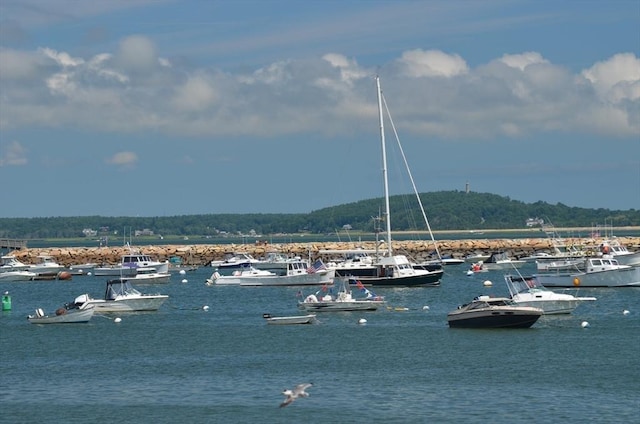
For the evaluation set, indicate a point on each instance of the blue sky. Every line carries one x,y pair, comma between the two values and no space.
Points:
162,107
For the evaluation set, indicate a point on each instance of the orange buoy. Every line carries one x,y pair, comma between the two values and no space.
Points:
64,275
576,281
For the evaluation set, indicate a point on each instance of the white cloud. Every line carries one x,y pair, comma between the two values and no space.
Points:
13,155
432,93
521,61
137,54
100,65
432,63
16,64
349,68
123,159
61,58
617,78
197,93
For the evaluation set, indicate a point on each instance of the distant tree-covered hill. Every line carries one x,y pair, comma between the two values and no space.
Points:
445,210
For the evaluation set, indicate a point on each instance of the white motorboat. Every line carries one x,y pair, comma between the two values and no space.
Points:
120,296
529,292
299,273
451,261
148,276
82,269
500,260
595,272
11,263
493,312
290,320
232,262
17,275
325,301
63,316
46,265
476,257
618,251
350,262
130,264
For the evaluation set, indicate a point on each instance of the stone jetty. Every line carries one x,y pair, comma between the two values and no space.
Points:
202,254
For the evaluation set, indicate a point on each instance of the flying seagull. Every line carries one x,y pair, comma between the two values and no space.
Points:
298,391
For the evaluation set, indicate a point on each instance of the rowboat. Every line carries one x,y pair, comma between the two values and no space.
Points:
288,320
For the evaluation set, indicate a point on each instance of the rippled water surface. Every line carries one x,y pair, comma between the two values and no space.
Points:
225,365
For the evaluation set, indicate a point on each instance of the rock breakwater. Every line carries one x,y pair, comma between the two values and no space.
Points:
202,254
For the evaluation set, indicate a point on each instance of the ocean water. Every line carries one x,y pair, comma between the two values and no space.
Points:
183,364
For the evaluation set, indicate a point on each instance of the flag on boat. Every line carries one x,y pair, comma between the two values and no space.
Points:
317,266
362,288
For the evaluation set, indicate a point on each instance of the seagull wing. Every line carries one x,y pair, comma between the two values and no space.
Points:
300,388
287,401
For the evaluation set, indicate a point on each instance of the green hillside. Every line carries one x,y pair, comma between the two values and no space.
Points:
445,210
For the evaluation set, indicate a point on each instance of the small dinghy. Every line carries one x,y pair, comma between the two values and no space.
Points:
299,319
62,316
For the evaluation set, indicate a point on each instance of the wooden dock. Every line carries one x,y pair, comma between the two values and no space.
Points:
13,244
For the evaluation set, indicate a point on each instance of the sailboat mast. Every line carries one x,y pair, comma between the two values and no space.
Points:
384,169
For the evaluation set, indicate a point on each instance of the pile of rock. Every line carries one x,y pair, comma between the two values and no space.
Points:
202,254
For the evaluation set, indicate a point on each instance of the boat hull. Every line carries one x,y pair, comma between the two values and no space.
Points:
76,316
291,320
551,307
114,271
316,279
360,305
154,278
624,277
428,278
141,304
17,276
494,319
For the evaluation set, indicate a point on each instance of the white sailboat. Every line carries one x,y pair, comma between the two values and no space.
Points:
391,269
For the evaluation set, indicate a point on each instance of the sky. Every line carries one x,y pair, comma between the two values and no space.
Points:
182,107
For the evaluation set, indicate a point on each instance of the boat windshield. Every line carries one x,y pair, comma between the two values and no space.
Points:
117,288
522,284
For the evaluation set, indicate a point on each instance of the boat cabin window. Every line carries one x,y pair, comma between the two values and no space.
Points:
478,305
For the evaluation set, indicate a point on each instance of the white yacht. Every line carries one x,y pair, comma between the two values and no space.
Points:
529,292
129,265
594,272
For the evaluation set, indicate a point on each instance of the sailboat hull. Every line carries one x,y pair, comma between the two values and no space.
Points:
431,278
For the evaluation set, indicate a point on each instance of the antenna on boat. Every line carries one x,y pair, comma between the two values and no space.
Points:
377,231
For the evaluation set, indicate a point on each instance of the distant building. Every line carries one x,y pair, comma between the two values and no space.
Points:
534,222
88,232
145,232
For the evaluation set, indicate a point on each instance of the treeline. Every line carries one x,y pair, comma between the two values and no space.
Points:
445,210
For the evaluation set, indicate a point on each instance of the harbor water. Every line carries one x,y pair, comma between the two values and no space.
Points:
223,364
